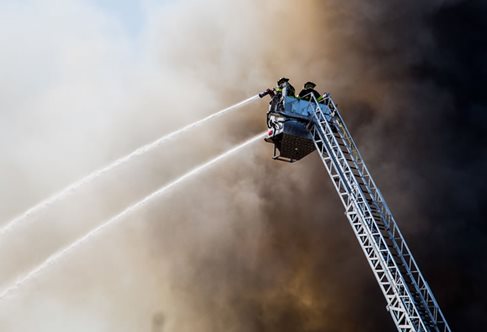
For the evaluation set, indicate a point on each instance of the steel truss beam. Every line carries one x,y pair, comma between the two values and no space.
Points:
410,300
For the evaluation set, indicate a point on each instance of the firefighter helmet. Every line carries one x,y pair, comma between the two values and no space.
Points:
309,85
282,80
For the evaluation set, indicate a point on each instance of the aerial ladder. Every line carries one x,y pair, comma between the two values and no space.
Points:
297,127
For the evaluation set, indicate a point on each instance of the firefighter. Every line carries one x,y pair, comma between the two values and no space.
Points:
309,91
285,88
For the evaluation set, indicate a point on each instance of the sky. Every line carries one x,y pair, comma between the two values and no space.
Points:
252,244
130,13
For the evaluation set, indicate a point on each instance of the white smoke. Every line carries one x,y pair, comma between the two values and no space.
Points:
77,91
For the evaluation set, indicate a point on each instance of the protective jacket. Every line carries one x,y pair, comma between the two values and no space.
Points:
286,89
306,94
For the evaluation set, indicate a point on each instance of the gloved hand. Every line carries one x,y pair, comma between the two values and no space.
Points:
266,92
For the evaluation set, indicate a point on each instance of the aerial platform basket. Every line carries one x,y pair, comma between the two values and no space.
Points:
288,122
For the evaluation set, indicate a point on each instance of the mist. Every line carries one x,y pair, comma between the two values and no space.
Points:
252,244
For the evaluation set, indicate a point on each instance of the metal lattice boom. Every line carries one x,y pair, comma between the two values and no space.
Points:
409,299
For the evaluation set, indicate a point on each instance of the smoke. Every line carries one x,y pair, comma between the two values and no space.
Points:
255,244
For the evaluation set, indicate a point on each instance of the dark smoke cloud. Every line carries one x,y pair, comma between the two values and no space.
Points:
409,78
433,70
256,245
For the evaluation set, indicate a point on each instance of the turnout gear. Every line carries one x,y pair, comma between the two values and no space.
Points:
285,88
309,91
282,90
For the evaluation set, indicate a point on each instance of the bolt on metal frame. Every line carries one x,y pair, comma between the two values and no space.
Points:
409,298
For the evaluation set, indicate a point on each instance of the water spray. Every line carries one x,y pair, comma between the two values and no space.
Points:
97,173
132,208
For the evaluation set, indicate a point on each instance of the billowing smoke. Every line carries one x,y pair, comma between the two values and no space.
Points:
252,245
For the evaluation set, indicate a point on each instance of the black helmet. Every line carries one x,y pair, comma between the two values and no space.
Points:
282,80
309,85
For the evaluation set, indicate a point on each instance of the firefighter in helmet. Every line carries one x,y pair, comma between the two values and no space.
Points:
309,91
285,88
